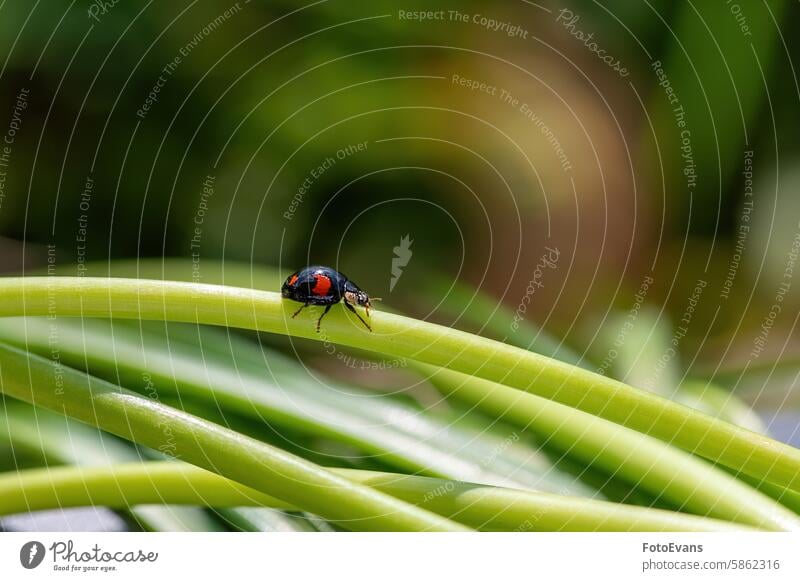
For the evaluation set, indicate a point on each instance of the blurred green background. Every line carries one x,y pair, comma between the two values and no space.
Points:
649,149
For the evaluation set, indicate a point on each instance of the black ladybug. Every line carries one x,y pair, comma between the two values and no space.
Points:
321,285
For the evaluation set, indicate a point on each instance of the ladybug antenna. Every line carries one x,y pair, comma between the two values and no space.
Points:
367,306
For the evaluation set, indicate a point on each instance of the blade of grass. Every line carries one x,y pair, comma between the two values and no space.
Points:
788,498
690,483
265,520
483,507
514,510
268,469
267,386
504,457
719,441
487,452
60,440
647,359
712,399
479,310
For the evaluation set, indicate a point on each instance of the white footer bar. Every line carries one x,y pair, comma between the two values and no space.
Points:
397,556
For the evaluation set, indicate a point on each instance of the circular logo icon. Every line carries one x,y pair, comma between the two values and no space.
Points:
31,554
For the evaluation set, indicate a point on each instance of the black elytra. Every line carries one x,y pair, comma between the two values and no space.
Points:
324,286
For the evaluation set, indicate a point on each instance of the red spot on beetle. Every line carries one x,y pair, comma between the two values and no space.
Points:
322,286
293,279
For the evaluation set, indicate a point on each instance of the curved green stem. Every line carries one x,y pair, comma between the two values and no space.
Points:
279,394
208,445
639,355
484,507
518,510
719,441
56,439
685,480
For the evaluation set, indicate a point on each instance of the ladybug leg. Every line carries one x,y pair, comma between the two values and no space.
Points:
325,312
297,312
350,307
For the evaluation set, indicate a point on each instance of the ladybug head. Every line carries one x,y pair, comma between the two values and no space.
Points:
357,296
